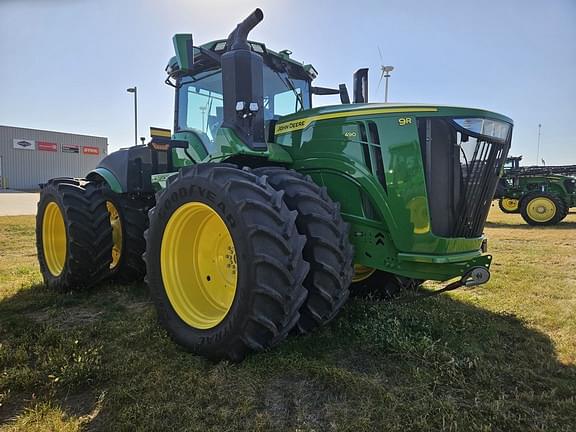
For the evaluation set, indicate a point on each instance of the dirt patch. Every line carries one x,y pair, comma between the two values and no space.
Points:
10,408
139,306
76,316
296,402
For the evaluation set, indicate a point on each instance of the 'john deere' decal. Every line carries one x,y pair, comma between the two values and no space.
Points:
294,125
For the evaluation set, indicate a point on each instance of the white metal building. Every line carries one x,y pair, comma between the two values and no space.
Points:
29,157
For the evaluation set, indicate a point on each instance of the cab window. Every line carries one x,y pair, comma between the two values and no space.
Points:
283,94
201,103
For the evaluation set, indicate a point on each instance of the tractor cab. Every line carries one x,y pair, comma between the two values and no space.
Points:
199,107
237,85
512,162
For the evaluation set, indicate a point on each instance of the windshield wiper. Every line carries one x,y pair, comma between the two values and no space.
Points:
288,82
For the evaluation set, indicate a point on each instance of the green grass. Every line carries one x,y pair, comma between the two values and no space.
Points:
501,357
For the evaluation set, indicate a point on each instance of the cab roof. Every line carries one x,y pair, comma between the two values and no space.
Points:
206,57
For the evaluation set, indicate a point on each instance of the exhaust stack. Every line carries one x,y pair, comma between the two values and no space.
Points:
360,89
238,38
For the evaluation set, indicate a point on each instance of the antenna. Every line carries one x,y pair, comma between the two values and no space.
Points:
385,74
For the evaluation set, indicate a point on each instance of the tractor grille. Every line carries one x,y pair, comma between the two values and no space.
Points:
479,179
462,172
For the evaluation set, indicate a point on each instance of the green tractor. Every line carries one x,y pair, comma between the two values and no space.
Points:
260,214
543,195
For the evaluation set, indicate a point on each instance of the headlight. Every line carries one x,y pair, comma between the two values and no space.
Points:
487,127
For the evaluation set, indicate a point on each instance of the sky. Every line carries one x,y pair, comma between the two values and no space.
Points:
65,64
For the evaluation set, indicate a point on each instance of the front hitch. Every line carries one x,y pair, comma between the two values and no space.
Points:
475,276
472,278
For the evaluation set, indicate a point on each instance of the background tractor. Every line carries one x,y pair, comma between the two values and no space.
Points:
543,195
258,214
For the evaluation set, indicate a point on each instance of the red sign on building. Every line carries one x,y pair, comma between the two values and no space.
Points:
90,150
47,146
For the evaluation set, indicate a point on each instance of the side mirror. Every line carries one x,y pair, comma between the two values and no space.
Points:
323,91
184,48
341,90
344,96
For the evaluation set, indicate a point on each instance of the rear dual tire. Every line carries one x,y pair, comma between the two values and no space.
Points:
73,234
86,233
128,220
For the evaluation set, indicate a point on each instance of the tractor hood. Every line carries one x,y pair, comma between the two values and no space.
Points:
302,119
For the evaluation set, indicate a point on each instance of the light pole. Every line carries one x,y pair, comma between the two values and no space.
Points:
135,91
538,148
386,74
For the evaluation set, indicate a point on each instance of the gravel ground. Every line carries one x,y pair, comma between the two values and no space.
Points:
18,203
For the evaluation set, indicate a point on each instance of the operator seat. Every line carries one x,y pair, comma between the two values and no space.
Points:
215,122
204,139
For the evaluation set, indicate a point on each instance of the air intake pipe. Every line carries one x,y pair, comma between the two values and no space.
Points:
242,85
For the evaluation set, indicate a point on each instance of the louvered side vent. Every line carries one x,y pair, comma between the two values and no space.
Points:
372,151
365,146
377,154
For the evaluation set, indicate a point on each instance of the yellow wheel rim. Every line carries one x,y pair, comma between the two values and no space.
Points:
541,209
510,204
198,264
54,239
116,225
362,272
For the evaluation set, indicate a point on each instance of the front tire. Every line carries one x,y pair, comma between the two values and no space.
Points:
327,249
371,283
542,209
73,235
224,262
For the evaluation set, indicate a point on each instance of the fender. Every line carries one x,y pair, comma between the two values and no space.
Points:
130,169
107,176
